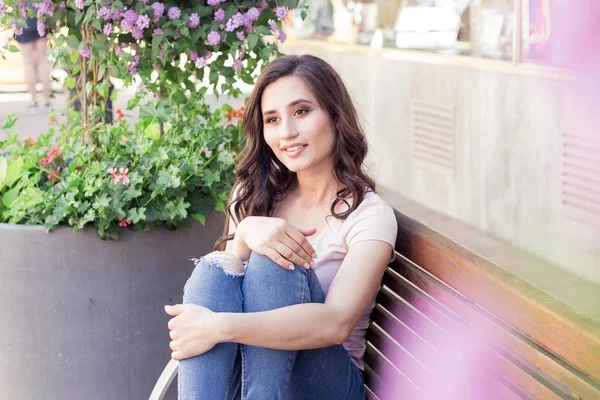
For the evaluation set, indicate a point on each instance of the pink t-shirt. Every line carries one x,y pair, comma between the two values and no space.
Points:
373,219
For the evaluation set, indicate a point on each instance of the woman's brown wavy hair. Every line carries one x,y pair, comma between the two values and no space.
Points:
262,180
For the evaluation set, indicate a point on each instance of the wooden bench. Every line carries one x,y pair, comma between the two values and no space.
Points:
446,314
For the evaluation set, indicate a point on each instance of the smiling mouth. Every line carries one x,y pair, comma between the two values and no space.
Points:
294,149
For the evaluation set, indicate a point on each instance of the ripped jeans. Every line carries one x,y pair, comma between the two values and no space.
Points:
234,371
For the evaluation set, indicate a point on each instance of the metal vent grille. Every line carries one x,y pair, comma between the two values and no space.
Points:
581,176
433,131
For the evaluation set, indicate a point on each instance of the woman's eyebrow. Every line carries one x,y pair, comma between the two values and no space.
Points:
293,103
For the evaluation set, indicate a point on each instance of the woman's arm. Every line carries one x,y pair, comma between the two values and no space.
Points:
315,325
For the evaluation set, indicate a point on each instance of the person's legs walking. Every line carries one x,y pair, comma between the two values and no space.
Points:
213,285
43,68
29,70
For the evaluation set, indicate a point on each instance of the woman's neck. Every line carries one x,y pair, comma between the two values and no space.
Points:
313,189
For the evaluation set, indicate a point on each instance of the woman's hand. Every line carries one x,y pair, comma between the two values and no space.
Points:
193,331
279,240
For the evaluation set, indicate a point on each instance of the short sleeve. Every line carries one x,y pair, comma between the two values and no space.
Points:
373,219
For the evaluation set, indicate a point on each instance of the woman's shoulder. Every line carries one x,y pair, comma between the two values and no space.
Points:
372,201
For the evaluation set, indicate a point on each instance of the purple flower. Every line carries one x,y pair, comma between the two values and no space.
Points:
201,62
237,65
213,38
281,12
132,69
161,54
45,8
174,13
108,28
194,21
79,4
104,13
126,26
143,22
253,14
2,8
213,3
17,29
118,50
85,51
240,35
62,4
157,31
220,15
116,15
131,17
193,56
273,26
234,22
158,9
137,33
281,36
41,28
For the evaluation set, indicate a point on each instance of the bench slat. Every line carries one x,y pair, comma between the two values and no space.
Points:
538,357
566,333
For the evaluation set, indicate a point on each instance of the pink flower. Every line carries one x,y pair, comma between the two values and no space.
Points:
123,172
213,38
281,36
240,35
115,175
85,51
123,223
29,141
79,4
54,175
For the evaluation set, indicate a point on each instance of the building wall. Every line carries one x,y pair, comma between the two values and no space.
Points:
511,151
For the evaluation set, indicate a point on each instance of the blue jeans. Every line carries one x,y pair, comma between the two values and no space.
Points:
233,371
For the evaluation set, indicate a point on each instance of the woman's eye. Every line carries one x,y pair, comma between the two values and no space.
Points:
301,111
271,119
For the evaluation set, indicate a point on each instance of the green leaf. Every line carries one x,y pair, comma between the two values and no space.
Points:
13,172
252,41
303,14
220,206
73,41
70,82
184,31
227,71
13,49
33,197
10,121
200,218
156,40
10,196
3,171
262,31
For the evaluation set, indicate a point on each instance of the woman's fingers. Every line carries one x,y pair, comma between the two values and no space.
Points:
278,258
302,241
286,252
307,260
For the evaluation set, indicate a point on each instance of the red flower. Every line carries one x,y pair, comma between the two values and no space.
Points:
120,114
123,223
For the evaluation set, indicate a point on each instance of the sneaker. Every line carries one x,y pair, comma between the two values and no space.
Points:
32,108
47,108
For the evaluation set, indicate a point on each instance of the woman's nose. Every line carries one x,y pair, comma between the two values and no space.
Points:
288,129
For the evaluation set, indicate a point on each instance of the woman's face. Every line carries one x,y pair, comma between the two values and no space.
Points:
296,128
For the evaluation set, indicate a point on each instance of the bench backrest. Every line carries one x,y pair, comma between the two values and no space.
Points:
447,319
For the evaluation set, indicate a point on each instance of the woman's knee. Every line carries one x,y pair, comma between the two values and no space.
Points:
215,283
267,285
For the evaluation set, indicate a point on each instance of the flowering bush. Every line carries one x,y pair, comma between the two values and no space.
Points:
167,48
127,179
177,160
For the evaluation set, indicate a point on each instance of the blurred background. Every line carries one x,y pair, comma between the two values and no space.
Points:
481,116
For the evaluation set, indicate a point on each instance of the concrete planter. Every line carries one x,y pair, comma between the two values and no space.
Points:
82,318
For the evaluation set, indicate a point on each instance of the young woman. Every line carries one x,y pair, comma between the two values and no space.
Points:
282,312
